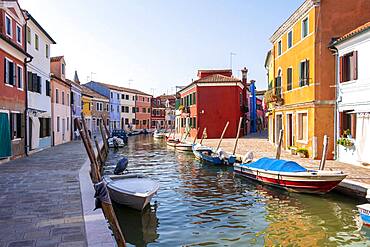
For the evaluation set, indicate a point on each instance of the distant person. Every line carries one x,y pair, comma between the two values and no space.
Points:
77,135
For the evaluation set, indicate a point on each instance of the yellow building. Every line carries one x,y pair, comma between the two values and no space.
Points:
302,97
87,105
269,65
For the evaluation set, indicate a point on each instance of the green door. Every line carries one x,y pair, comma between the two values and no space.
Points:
5,142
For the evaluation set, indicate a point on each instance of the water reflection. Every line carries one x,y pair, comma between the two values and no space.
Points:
200,204
138,228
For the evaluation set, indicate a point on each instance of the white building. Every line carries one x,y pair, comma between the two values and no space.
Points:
353,101
127,103
38,124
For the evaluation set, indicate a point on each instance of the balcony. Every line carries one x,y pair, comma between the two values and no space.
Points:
273,96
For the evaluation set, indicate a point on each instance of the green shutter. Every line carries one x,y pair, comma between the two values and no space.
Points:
5,144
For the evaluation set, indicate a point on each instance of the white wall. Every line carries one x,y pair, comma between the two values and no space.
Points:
130,103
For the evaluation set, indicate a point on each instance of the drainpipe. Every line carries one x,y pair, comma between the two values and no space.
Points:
26,89
334,50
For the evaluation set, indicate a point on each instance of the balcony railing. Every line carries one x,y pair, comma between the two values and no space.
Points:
274,96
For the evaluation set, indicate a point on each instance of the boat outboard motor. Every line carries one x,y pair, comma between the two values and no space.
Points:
121,166
248,157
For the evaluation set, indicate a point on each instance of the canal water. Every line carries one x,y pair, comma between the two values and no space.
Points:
204,205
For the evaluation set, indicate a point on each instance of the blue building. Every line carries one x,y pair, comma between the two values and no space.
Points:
113,93
75,102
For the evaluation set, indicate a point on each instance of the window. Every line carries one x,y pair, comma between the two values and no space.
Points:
126,121
34,82
280,48
127,109
133,110
133,121
194,122
56,96
348,123
37,42
47,84
302,126
20,76
117,95
63,68
148,110
44,127
18,34
107,109
127,96
67,123
241,99
289,78
118,108
122,96
16,125
194,98
62,98
8,26
67,99
58,124
133,98
290,39
144,110
111,95
278,88
47,51
9,72
304,73
122,109
305,27
29,35
348,67
144,121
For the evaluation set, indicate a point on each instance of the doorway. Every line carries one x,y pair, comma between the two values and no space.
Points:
63,129
278,126
289,130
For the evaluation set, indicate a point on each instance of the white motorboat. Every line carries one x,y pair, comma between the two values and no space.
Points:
183,146
115,142
132,190
159,135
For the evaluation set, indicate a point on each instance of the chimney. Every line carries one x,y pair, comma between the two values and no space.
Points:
244,75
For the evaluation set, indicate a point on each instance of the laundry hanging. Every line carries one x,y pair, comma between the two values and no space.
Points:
363,137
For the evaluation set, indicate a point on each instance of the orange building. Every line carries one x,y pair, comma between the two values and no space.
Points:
302,96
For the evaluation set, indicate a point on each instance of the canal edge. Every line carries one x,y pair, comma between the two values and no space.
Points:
96,226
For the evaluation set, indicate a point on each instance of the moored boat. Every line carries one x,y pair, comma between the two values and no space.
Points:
159,135
115,142
290,176
206,154
172,142
183,146
364,210
132,190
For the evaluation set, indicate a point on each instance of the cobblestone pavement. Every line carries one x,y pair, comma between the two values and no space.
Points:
40,202
260,146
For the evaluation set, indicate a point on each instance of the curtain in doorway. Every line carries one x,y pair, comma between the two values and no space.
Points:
35,132
363,137
5,143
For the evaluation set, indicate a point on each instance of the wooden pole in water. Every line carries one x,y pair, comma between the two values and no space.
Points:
196,136
105,141
222,135
96,178
237,135
278,150
203,134
105,125
324,152
100,157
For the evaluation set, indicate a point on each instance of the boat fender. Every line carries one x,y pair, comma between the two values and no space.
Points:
248,157
101,195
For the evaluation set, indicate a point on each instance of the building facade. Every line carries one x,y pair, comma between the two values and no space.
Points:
38,122
96,106
143,110
302,97
210,102
127,103
87,106
158,115
12,75
352,53
76,99
60,102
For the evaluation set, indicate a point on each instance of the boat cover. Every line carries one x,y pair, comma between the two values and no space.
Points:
276,165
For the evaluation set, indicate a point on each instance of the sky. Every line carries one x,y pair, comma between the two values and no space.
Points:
155,45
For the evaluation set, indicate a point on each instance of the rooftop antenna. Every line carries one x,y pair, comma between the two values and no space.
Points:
88,78
231,60
91,75
129,83
152,90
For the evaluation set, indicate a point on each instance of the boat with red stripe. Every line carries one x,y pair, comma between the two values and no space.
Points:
290,176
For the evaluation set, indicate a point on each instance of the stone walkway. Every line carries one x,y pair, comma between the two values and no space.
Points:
40,201
260,146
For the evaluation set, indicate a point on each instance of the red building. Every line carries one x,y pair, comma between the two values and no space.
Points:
12,80
142,113
212,100
158,114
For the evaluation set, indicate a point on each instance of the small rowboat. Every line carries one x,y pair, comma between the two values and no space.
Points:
115,142
159,135
364,210
185,147
132,190
172,142
206,154
290,176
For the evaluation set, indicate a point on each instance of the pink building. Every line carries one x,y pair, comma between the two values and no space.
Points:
143,110
60,101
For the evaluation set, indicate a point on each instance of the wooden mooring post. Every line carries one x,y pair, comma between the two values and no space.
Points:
222,135
196,136
278,149
324,152
96,178
203,134
237,135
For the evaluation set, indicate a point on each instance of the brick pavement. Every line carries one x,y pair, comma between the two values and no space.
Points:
40,201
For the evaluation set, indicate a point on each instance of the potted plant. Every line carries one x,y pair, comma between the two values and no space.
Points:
293,150
302,152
